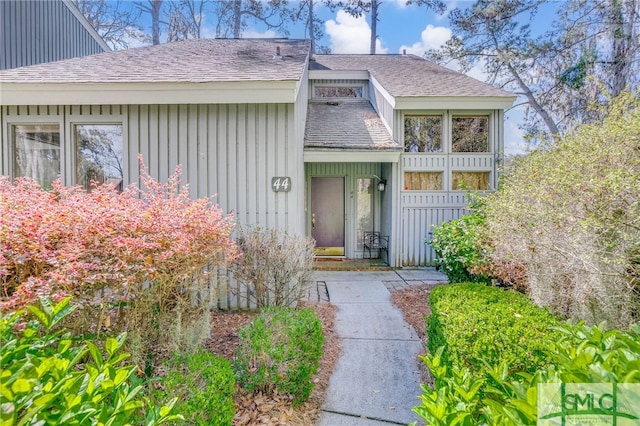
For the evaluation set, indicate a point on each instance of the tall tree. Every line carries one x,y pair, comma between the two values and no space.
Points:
313,25
234,14
153,8
593,44
115,21
185,19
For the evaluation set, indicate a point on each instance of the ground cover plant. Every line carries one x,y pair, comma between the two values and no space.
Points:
279,352
203,385
135,261
48,377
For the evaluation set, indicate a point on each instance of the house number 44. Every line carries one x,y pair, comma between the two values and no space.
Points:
281,184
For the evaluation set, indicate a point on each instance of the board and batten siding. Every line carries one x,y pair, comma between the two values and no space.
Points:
40,31
417,227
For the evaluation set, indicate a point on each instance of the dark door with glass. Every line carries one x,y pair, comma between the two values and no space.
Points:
327,215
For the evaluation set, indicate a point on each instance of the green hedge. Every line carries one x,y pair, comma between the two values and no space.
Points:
280,351
479,326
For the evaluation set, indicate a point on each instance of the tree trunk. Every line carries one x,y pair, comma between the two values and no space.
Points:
237,18
310,28
155,20
374,26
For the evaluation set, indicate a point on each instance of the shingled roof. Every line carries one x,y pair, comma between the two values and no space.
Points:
196,61
408,75
346,125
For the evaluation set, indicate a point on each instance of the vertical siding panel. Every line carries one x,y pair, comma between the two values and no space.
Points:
181,124
143,147
221,164
172,138
134,143
203,148
153,159
242,171
260,164
232,159
252,152
212,143
164,142
191,170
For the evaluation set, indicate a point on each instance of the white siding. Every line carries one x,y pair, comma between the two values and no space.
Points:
38,31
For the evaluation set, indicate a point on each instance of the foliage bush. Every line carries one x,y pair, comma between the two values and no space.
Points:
204,385
570,216
459,248
134,261
480,326
280,351
49,378
581,354
275,264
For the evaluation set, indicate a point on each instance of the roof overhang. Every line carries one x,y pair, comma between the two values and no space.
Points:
351,156
454,102
338,75
148,93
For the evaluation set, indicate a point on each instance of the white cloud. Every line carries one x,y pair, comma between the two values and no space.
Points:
258,34
348,34
430,38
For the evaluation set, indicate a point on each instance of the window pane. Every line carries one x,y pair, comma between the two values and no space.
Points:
365,208
423,181
338,92
37,152
99,154
474,181
423,133
470,134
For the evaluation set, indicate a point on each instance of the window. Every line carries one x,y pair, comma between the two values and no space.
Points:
337,91
36,152
470,134
99,154
365,208
423,181
423,133
474,181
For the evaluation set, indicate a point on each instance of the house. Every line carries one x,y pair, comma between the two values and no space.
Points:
329,146
37,31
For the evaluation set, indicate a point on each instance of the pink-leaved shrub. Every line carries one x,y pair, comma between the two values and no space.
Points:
135,260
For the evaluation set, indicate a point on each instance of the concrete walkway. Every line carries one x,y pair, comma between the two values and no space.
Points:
377,379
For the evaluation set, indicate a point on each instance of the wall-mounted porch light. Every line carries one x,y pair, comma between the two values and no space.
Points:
382,184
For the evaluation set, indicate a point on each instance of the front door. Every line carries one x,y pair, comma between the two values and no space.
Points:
327,215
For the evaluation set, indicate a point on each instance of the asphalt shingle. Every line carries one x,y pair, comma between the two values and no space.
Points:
346,125
196,61
408,75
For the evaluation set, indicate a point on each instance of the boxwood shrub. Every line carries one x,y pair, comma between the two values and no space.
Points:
479,326
280,351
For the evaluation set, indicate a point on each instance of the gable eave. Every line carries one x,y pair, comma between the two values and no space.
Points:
454,102
15,93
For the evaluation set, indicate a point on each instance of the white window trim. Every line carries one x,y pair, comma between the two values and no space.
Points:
43,120
70,153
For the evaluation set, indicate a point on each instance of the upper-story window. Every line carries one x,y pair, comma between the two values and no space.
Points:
99,154
36,152
423,133
470,133
337,92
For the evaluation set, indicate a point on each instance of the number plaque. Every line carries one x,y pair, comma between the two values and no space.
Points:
281,184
